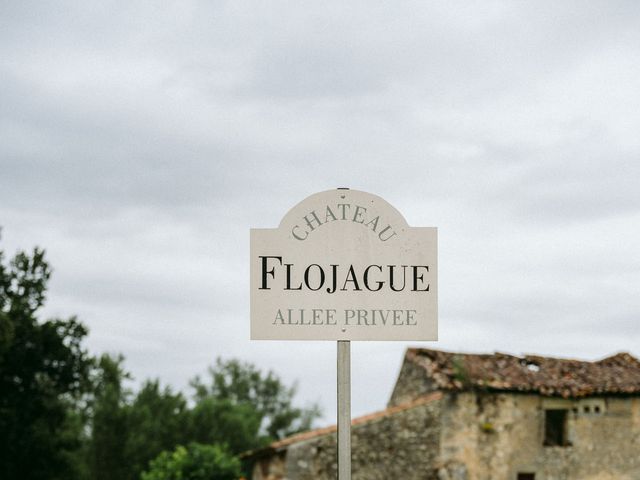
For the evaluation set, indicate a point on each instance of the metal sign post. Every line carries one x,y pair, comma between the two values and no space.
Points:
344,265
344,407
344,410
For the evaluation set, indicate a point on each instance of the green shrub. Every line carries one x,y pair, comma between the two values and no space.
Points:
194,462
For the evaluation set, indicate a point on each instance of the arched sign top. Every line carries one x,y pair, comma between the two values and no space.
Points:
322,210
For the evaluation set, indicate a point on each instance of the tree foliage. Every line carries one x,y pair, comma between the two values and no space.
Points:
243,385
108,420
195,462
43,373
67,415
241,409
158,421
220,421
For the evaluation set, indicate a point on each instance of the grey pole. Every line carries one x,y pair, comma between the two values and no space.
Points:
344,410
344,407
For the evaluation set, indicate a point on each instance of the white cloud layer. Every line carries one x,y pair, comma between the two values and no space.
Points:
141,142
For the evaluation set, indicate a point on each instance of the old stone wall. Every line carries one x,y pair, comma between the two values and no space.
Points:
495,436
476,436
402,445
412,383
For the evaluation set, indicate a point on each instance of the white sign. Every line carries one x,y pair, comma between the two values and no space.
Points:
344,265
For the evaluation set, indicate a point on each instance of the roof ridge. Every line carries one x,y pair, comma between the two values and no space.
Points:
549,376
523,356
623,356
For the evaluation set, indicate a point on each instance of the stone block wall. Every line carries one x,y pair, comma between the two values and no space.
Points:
475,435
491,436
412,383
401,445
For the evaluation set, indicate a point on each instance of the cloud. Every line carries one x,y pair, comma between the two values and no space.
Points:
140,143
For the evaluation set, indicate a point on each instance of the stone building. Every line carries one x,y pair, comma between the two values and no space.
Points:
484,417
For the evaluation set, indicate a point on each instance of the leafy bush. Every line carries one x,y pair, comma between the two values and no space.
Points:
195,462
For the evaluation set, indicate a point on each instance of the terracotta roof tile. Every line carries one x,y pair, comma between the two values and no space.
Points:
618,374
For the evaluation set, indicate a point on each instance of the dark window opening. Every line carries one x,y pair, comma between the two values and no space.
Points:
596,409
526,476
555,428
587,409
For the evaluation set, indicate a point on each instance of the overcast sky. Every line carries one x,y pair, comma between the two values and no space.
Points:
141,140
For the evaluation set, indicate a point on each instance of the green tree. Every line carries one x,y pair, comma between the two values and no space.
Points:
220,421
43,374
157,421
109,423
127,431
243,385
66,415
195,462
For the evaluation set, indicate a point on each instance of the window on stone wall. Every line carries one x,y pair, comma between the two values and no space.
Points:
526,476
555,428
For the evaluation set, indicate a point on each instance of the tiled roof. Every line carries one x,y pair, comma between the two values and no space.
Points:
301,437
618,374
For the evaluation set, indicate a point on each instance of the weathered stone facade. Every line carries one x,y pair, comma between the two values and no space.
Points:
403,440
448,424
501,435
